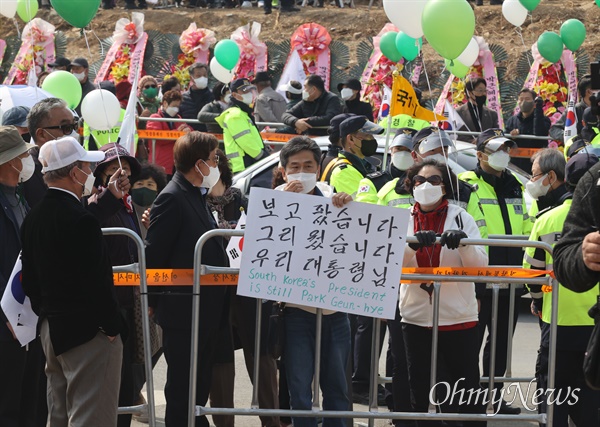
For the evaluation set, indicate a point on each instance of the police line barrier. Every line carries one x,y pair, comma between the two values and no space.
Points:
201,270
280,138
139,268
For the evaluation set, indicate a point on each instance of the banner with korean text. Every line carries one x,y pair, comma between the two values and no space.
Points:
301,249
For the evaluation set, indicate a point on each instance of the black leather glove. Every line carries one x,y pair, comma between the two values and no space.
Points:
452,238
539,102
425,238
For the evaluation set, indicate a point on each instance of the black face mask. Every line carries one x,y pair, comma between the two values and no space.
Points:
480,100
143,196
26,137
368,147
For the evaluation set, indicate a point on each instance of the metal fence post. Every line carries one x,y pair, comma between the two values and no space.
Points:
437,288
493,343
140,268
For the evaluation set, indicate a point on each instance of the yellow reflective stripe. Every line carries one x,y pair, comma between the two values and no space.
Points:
242,133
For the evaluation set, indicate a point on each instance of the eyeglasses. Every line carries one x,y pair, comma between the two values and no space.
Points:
433,180
537,174
150,86
66,129
215,159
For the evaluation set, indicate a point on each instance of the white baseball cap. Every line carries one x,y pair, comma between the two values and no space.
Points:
65,151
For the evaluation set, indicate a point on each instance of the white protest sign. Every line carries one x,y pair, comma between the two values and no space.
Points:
302,249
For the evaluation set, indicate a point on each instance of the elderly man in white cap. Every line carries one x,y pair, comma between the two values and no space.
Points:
67,274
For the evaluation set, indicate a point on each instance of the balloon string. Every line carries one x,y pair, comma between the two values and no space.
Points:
17,27
426,75
520,33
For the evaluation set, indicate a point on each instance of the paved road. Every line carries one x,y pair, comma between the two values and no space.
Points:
524,355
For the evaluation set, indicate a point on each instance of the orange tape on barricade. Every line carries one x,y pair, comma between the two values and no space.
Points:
185,277
277,137
174,277
160,134
523,152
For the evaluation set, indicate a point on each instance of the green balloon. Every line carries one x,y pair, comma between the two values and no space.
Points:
78,13
530,4
227,53
550,46
387,45
65,86
448,26
408,47
572,33
26,9
457,68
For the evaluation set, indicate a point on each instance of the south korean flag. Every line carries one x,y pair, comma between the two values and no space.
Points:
234,248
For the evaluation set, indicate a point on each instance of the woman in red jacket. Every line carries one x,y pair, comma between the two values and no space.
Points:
161,151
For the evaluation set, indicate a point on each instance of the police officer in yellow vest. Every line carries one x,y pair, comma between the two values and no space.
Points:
501,198
435,143
574,324
547,184
358,142
401,160
243,143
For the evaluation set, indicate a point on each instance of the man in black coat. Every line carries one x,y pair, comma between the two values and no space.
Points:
197,96
529,121
179,217
316,109
68,277
350,93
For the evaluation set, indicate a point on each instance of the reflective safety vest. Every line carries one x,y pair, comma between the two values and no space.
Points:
103,137
572,306
488,200
345,177
240,137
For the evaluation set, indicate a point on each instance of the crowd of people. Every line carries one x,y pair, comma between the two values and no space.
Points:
58,188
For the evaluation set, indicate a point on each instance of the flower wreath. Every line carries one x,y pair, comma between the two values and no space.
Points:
253,52
37,48
195,44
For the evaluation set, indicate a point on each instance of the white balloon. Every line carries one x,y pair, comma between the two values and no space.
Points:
470,54
101,109
406,15
514,12
221,73
8,8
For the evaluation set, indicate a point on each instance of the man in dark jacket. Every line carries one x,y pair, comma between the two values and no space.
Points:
529,121
80,69
577,253
80,326
316,109
350,93
21,368
197,96
584,89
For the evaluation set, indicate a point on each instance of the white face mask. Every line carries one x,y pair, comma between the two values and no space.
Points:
437,157
79,76
536,189
402,160
227,98
172,111
88,186
499,160
305,95
427,194
27,168
210,180
248,98
308,180
346,93
201,82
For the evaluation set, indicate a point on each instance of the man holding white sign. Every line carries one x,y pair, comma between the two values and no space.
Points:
298,249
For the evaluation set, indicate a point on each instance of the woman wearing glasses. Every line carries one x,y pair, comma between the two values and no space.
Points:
163,154
432,184
179,217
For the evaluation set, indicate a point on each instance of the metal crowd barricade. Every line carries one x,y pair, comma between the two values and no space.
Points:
373,414
140,269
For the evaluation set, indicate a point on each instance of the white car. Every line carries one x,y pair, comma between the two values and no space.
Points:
260,174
